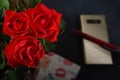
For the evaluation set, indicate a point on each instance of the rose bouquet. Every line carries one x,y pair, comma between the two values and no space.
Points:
28,30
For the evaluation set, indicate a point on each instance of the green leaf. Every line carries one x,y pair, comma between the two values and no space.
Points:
4,3
2,65
43,42
18,5
34,2
48,46
23,4
3,37
2,13
12,75
62,25
27,2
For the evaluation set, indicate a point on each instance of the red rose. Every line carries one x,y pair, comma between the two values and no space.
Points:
24,50
46,22
15,23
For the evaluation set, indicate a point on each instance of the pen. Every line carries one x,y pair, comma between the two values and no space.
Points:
102,43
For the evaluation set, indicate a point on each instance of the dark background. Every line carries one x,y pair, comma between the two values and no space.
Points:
70,45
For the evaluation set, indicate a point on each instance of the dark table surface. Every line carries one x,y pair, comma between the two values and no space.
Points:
70,45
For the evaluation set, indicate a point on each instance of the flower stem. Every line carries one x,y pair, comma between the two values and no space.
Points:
45,45
2,65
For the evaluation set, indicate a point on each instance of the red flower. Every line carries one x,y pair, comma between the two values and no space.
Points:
24,50
25,27
15,23
45,22
40,22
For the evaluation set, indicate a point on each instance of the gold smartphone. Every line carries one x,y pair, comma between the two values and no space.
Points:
95,25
